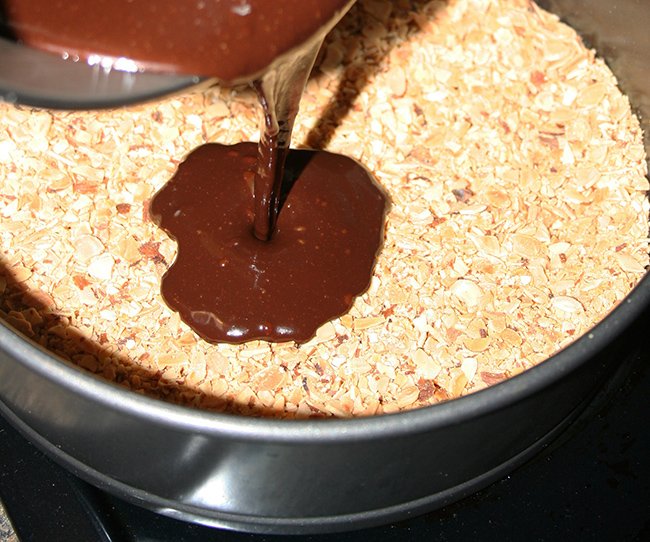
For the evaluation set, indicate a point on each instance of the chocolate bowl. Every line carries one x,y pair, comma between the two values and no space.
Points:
326,475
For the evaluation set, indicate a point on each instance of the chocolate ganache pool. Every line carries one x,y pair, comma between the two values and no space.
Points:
244,269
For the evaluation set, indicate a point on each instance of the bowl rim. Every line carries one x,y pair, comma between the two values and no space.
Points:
43,79
147,409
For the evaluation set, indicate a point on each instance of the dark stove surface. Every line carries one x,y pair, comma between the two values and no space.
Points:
593,483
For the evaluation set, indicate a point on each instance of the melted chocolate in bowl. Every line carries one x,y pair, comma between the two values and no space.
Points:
232,40
244,271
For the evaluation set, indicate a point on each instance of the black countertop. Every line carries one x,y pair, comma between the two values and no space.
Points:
593,483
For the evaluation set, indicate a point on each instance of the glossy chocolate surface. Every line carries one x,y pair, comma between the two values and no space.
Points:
232,40
230,286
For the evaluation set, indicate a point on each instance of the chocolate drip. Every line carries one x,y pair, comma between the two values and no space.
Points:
279,91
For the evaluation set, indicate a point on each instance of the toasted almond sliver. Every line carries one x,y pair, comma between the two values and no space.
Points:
476,345
425,364
592,95
567,304
368,322
629,263
467,291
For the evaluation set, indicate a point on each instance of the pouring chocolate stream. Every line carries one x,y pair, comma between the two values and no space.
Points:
244,270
